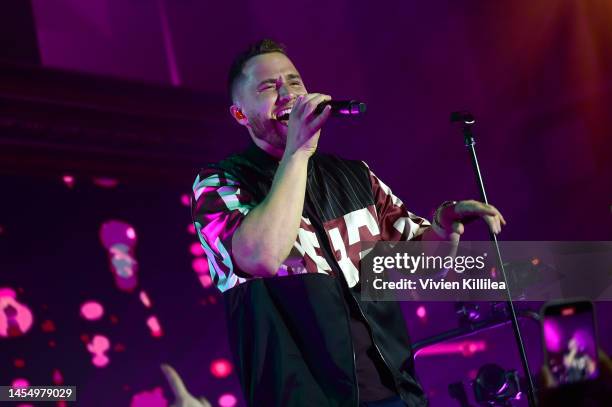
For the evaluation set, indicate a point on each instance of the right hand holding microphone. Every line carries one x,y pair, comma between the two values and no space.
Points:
304,127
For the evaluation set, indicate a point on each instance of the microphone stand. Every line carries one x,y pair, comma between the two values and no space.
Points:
467,121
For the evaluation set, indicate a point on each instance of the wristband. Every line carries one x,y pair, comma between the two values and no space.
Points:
436,217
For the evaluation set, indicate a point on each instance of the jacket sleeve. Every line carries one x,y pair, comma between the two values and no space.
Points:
394,220
218,206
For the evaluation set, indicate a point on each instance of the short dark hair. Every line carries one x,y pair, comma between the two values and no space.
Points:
264,46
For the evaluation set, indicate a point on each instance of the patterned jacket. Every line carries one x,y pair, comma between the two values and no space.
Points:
290,334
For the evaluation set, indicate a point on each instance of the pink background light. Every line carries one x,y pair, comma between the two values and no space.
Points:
205,280
7,292
130,233
191,229
154,327
465,348
92,310
114,231
552,336
185,200
196,249
98,347
200,265
227,400
221,368
57,377
149,398
20,382
144,298
68,180
104,182
17,324
47,326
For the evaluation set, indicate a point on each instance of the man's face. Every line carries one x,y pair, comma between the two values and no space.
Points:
270,86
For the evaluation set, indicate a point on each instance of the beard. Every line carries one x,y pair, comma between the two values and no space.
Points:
272,131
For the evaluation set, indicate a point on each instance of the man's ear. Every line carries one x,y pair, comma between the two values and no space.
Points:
237,114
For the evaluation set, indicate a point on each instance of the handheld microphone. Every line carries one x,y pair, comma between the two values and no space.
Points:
342,108
339,108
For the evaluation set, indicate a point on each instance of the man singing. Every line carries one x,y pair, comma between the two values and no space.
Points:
281,225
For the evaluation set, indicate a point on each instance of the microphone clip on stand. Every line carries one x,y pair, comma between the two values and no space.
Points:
467,121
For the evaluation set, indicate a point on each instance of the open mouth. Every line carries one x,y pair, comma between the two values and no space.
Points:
283,115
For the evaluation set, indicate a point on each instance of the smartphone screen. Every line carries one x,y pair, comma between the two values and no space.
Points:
570,341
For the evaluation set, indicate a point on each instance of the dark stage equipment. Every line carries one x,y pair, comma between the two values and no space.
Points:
494,386
54,121
18,42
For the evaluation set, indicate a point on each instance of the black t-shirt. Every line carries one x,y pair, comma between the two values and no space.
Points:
373,377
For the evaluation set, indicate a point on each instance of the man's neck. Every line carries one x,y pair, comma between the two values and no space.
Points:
268,148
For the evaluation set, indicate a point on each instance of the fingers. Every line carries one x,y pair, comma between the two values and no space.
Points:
497,220
174,381
501,217
306,104
494,223
313,103
467,210
298,107
318,121
471,208
303,123
497,214
458,228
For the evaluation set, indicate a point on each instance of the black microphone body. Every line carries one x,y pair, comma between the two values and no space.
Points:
342,108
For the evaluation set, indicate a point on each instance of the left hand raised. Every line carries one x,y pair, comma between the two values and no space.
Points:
453,217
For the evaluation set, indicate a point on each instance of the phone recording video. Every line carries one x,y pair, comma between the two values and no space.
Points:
570,344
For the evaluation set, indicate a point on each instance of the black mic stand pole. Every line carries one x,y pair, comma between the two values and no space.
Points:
467,120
